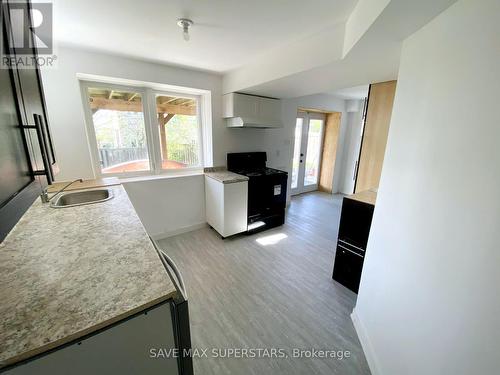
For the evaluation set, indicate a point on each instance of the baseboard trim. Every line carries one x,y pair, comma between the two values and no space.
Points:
365,344
190,228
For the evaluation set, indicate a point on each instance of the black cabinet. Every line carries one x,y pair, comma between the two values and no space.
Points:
347,267
27,158
354,228
15,168
34,114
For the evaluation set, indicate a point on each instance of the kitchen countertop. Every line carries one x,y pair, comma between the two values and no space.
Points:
86,184
224,176
366,196
67,272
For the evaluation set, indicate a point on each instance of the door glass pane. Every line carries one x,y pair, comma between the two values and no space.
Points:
118,120
313,152
179,131
296,152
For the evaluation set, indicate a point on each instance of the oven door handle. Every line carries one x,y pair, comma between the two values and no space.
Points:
170,265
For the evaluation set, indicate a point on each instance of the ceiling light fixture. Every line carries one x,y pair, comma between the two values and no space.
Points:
185,23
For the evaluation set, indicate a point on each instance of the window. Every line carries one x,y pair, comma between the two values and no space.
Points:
179,131
138,130
120,132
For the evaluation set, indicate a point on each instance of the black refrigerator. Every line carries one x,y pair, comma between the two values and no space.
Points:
27,157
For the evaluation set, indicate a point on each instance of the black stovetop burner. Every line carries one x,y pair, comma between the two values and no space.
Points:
259,172
250,164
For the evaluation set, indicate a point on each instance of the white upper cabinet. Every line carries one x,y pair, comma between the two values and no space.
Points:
243,106
249,111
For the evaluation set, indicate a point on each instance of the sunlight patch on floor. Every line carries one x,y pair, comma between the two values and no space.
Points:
272,239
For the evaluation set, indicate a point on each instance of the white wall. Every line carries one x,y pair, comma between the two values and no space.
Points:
428,302
169,206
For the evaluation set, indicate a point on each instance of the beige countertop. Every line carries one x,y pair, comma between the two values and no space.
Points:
367,196
222,175
86,184
67,272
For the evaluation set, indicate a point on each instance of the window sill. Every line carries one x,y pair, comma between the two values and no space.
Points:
162,176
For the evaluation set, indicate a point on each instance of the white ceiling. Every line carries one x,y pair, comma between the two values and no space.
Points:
371,48
226,35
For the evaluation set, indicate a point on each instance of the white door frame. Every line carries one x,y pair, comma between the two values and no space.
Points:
306,117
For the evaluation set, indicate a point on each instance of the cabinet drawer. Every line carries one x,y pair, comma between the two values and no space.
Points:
347,268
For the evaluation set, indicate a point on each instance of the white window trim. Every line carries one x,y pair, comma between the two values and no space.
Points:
149,90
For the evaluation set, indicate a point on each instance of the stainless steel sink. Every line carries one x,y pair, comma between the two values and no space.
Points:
80,198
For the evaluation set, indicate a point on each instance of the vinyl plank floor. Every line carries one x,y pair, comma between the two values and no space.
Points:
270,290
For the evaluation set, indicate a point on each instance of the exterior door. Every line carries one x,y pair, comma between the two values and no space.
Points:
306,164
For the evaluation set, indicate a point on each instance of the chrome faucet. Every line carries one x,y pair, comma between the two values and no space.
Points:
45,195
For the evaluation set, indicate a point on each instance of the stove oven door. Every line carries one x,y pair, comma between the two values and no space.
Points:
266,196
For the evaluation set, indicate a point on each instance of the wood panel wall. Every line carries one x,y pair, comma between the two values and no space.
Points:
378,118
329,154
